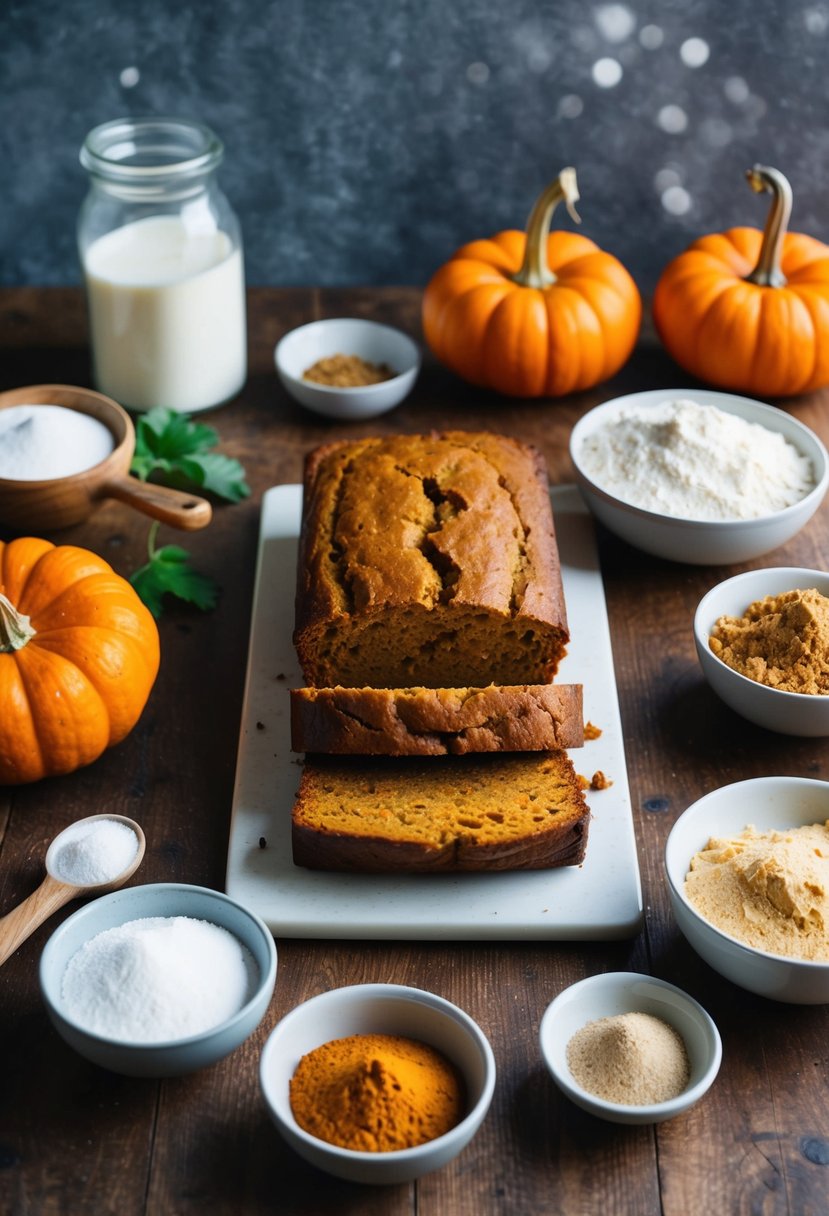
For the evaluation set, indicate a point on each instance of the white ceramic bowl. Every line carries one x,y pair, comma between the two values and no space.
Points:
159,899
765,802
618,992
702,542
378,1009
376,343
788,713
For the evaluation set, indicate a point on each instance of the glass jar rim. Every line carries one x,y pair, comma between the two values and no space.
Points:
182,147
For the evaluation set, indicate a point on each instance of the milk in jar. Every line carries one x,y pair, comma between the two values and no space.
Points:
167,315
161,253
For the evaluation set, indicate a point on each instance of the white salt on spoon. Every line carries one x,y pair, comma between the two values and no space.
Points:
41,442
91,856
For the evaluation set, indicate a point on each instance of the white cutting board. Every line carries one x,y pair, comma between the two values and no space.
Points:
600,899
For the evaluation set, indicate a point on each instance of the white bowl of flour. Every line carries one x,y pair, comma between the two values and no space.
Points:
699,476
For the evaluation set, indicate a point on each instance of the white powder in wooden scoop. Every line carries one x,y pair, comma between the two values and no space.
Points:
634,1059
40,442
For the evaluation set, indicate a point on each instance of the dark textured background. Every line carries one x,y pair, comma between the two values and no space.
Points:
367,139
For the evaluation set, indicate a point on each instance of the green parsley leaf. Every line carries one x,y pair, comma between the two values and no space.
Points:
175,451
168,572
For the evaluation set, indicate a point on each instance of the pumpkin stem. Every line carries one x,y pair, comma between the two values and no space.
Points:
767,272
535,272
15,628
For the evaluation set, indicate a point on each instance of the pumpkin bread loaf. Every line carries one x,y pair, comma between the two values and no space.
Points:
436,721
428,560
491,813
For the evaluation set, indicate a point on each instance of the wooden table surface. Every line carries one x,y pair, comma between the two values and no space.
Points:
79,1140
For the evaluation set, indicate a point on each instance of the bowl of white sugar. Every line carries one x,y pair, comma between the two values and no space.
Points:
699,476
63,451
158,980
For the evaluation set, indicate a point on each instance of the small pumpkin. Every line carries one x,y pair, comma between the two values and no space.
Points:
747,310
79,654
535,314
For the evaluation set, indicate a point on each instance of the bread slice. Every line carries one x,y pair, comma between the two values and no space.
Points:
428,560
436,721
496,812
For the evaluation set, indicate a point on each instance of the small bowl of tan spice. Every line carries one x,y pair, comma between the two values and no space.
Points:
346,367
748,876
630,1048
763,644
377,1083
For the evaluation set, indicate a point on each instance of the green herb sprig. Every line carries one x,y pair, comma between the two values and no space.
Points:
172,449
176,451
168,572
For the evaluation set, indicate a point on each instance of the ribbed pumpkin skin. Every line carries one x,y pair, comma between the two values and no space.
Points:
762,340
80,684
528,341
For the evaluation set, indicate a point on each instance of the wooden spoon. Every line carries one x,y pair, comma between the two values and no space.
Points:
53,893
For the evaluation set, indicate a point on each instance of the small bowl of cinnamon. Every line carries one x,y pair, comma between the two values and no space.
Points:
377,1083
346,367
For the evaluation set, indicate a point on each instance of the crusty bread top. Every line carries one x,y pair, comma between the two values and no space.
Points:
436,721
461,518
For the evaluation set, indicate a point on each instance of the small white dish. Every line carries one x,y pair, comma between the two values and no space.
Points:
376,343
766,803
788,713
618,992
179,1056
702,542
378,1009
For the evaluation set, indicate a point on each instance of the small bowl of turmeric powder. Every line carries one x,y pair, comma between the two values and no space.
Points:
377,1083
346,367
762,638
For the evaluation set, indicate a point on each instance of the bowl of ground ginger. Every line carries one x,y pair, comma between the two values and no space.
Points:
346,367
763,644
377,1083
748,876
630,1048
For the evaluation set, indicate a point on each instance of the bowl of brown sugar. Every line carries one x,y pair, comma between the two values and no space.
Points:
346,367
762,639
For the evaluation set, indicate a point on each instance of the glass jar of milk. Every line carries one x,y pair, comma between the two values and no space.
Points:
161,252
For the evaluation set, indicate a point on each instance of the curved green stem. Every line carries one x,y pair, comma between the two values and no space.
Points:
535,271
15,628
762,178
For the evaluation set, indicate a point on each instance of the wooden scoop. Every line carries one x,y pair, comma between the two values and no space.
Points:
32,507
53,893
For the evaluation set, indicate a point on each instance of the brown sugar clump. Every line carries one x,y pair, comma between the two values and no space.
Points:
781,641
347,371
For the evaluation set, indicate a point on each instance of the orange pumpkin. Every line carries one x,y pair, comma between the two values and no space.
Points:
79,654
747,310
533,314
